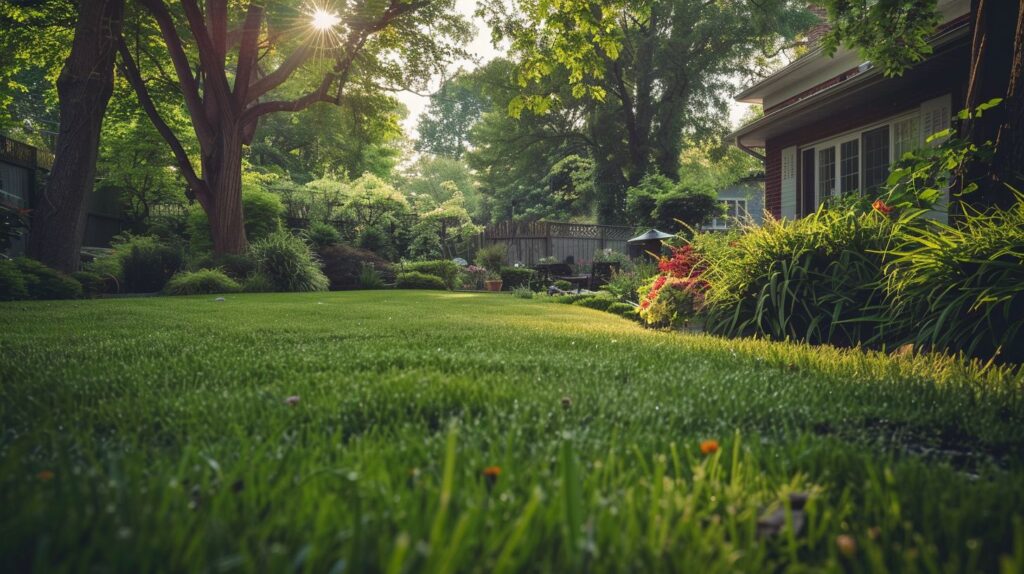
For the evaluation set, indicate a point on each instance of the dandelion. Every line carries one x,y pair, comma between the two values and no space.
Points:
881,207
709,446
292,400
45,475
847,545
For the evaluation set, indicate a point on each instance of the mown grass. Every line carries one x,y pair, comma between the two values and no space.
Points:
153,435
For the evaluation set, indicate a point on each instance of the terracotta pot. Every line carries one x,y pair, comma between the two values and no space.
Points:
493,285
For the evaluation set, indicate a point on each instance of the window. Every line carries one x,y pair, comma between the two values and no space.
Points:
826,174
906,136
849,169
735,209
876,157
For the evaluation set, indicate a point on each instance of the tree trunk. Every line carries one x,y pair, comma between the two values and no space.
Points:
83,89
996,59
223,173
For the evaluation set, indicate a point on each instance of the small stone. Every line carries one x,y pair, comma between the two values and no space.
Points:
219,300
292,400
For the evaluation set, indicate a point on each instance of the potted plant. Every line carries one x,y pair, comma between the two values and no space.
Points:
493,281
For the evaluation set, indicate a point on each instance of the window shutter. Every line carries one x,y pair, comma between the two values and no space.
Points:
788,187
935,117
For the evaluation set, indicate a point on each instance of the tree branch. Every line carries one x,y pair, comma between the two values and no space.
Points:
213,66
248,51
131,71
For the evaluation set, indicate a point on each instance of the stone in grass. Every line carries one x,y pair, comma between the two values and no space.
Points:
775,522
292,400
219,300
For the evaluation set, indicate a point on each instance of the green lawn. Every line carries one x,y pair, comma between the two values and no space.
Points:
153,434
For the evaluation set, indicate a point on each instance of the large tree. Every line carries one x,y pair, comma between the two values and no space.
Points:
84,87
231,68
652,72
895,34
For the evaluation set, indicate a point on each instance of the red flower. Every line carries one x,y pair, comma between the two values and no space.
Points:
881,207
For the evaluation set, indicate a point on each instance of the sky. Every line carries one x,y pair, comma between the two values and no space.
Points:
481,47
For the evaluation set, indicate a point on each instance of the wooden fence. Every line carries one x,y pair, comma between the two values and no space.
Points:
528,242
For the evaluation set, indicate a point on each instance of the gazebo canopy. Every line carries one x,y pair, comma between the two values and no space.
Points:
651,235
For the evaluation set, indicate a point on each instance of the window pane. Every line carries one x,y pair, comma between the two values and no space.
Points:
876,158
826,173
849,168
905,136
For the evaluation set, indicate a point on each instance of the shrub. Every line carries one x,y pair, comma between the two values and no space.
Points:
343,265
257,283
287,263
622,309
202,282
960,288
625,285
42,282
417,280
816,279
146,264
369,277
321,235
522,292
447,271
513,277
491,256
92,283
676,294
599,303
12,282
563,285
262,212
376,240
235,266
472,277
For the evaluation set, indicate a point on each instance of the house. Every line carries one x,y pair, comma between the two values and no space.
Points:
743,202
835,125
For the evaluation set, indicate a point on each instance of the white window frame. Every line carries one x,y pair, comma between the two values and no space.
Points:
722,223
836,142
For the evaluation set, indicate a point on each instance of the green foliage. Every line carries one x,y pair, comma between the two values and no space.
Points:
235,266
13,224
437,178
370,278
960,288
625,285
563,284
522,293
446,270
12,282
92,283
344,266
202,282
44,283
378,241
594,302
446,231
146,263
659,202
816,279
623,310
492,256
287,263
417,280
512,277
453,110
892,34
262,211
321,234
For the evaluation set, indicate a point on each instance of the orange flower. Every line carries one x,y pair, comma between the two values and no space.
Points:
709,446
492,471
847,545
45,475
881,207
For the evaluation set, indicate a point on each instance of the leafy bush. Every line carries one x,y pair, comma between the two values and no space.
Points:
321,235
523,292
42,282
593,302
92,283
961,288
12,282
563,284
473,277
676,294
287,263
378,241
146,264
235,266
417,280
370,278
343,265
491,256
513,277
202,282
262,212
623,309
257,283
625,285
447,271
816,279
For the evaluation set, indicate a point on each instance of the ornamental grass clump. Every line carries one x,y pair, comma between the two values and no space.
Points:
201,282
287,264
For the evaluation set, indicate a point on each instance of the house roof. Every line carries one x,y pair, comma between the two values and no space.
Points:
843,92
